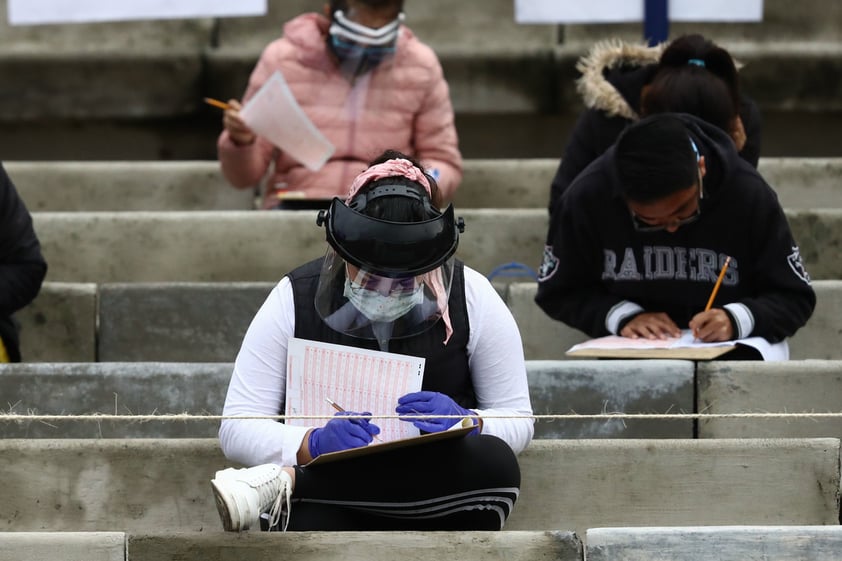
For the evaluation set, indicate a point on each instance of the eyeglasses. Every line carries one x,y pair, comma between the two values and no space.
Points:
642,226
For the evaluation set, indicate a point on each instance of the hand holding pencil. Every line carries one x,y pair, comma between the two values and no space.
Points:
238,131
713,324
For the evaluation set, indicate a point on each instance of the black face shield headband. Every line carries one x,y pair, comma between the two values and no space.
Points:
391,249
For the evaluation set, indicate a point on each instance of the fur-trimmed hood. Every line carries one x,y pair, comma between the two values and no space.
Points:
598,85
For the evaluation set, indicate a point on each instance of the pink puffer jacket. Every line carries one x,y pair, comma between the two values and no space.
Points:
403,104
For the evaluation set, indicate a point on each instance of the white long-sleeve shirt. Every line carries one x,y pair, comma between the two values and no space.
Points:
258,383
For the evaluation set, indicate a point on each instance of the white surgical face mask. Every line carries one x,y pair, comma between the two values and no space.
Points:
381,307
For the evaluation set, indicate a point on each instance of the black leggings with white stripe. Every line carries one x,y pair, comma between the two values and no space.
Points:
468,483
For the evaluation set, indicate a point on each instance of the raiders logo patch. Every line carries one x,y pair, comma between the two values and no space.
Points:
797,266
549,264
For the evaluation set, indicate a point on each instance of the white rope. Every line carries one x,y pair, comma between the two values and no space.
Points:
184,417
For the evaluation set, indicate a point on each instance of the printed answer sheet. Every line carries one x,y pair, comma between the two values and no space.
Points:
358,380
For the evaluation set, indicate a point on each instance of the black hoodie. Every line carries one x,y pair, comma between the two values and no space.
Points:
613,77
22,267
598,271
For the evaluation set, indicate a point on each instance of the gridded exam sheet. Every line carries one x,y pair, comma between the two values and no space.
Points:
356,379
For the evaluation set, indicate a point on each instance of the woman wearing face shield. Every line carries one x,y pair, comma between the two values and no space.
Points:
367,83
389,281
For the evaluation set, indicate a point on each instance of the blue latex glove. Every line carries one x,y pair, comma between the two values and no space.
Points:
431,403
342,434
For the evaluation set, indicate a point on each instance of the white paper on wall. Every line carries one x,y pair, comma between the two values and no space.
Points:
33,12
617,11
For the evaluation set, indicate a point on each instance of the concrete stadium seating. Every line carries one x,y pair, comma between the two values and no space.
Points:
141,485
198,389
224,246
142,321
300,546
694,543
801,183
67,546
715,543
811,386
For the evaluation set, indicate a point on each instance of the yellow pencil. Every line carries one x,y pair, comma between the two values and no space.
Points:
217,103
718,282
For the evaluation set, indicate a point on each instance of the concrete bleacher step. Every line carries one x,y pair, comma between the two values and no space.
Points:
225,246
134,89
162,485
94,389
142,321
801,183
811,386
715,543
294,546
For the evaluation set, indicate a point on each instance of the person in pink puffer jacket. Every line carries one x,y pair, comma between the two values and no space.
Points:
367,83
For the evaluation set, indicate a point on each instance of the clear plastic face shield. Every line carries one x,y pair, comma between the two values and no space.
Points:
385,280
360,48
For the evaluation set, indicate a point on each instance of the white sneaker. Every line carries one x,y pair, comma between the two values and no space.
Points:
242,495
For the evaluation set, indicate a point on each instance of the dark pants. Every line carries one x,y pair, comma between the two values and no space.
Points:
468,483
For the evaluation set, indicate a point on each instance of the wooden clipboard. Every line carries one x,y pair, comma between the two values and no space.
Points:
680,353
394,444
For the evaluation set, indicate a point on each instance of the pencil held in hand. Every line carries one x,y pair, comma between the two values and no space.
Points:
217,103
341,410
718,283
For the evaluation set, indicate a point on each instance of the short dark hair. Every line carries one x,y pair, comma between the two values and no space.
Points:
654,158
400,208
695,76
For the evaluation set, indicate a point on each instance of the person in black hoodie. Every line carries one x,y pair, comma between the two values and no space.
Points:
621,82
638,240
22,267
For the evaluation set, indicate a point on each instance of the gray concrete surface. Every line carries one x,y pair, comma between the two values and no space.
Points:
176,323
356,546
248,246
811,386
801,183
62,546
113,388
547,339
611,386
142,321
174,388
715,543
141,485
60,324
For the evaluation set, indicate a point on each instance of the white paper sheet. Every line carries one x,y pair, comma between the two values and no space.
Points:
356,379
616,11
274,114
32,12
769,351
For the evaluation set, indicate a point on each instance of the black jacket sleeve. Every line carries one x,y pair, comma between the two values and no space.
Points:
783,299
22,267
592,134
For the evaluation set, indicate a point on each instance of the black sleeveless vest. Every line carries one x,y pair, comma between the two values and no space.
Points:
446,367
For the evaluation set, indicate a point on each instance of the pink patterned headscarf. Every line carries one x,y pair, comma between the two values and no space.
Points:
400,167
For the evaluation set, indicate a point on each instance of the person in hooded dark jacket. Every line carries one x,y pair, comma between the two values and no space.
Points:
622,82
22,267
638,240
